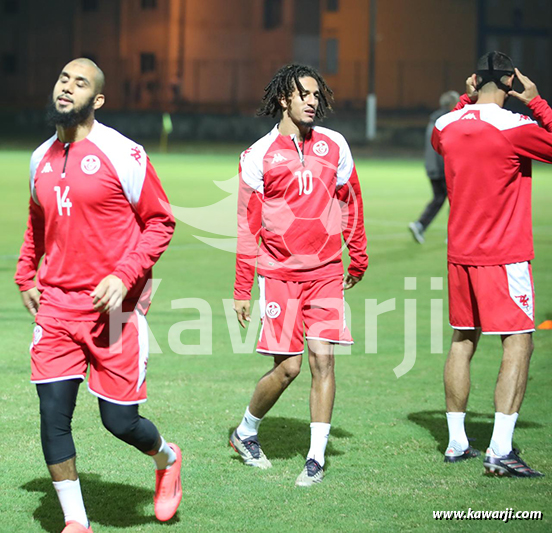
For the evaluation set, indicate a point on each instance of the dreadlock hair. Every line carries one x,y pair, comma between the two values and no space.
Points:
284,83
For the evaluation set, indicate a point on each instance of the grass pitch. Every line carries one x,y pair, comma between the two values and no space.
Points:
385,470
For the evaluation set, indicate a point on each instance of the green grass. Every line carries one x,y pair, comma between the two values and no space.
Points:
384,469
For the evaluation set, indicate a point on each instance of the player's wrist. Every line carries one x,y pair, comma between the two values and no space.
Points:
24,287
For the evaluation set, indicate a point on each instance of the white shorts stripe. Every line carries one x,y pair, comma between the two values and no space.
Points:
143,343
54,380
520,287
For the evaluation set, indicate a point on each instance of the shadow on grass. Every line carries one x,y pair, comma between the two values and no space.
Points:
284,438
479,427
107,503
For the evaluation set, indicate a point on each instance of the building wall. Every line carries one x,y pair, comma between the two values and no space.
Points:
218,55
229,55
423,48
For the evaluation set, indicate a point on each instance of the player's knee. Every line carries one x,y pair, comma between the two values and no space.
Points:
57,402
121,423
290,370
322,364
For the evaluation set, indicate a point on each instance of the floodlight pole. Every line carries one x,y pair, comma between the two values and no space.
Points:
371,97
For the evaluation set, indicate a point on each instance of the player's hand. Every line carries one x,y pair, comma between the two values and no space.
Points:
31,300
242,308
471,91
109,294
351,281
529,89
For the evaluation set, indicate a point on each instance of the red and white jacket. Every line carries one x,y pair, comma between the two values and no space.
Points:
299,198
97,208
488,152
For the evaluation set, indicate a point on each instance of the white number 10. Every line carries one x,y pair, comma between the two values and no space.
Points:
62,200
305,181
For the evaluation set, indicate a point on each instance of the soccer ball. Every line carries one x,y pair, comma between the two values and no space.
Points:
308,227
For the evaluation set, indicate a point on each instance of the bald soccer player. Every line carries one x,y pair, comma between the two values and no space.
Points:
97,221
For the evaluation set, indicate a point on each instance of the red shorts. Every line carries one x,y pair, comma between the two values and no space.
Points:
64,349
287,307
498,299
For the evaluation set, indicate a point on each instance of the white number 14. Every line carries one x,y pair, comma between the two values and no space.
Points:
62,200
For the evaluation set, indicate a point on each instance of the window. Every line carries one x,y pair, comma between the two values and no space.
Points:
332,5
272,14
332,56
90,5
149,4
147,63
11,7
9,64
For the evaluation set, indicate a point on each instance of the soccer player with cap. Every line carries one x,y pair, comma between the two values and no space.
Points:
488,152
98,220
299,193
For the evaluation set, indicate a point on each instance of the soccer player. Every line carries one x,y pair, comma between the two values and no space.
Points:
299,192
435,169
488,152
96,218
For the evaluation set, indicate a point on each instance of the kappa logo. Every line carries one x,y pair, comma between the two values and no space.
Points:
135,152
90,164
523,300
273,310
47,168
244,153
320,148
469,116
278,158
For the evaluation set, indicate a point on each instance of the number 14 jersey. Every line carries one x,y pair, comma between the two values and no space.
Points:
97,208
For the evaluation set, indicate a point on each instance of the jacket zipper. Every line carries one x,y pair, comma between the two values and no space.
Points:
66,148
297,147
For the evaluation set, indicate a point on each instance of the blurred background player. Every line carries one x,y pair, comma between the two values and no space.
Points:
95,214
488,152
435,169
297,170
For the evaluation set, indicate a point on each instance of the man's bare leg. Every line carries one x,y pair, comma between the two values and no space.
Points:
457,369
512,377
322,366
322,396
269,388
510,389
63,471
457,390
501,459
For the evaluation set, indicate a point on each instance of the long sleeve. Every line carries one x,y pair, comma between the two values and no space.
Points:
541,112
249,228
464,100
353,224
32,249
158,229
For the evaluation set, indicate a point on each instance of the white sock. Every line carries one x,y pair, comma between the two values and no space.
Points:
249,426
503,432
70,498
165,457
457,434
319,439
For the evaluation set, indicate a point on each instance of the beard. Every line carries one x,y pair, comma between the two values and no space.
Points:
69,119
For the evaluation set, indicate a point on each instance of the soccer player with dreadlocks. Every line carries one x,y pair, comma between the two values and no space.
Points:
299,193
488,152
